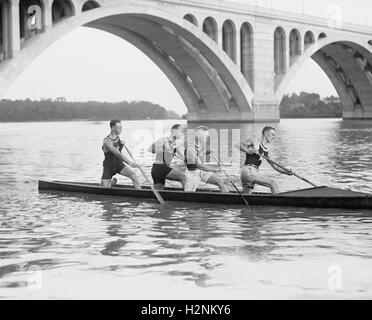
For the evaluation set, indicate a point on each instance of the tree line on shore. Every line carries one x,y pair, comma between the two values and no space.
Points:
62,110
303,105
310,105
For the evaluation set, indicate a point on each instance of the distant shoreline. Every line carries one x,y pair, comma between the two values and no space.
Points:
302,106
62,110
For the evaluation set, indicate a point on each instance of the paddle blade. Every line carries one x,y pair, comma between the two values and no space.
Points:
160,198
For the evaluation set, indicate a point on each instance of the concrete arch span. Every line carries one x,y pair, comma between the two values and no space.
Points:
210,84
348,64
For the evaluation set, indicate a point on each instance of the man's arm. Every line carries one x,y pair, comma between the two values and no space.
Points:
157,146
180,154
110,147
276,168
192,158
243,145
152,148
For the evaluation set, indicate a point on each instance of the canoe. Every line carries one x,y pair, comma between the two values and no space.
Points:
320,197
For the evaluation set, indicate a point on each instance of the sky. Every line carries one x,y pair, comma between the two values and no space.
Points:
90,64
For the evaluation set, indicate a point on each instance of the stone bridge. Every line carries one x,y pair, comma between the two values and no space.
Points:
229,62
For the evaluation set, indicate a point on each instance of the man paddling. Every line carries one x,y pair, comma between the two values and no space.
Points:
197,171
166,149
115,162
250,173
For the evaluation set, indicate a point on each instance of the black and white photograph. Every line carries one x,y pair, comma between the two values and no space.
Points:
185,150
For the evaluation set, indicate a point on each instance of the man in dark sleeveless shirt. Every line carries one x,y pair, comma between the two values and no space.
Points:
250,173
166,149
115,162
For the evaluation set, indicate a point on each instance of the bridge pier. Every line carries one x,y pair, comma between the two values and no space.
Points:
48,22
223,117
263,112
15,41
357,114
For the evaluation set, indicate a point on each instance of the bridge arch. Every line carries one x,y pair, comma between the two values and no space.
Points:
247,54
348,65
206,79
294,45
210,28
229,39
89,5
309,39
62,9
5,30
280,51
192,19
26,33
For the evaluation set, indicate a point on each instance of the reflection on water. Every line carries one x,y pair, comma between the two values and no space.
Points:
55,245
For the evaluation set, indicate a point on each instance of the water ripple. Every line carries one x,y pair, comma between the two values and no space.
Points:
85,242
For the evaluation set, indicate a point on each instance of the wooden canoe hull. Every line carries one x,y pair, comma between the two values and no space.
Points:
321,197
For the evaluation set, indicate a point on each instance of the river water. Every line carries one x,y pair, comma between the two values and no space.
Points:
55,245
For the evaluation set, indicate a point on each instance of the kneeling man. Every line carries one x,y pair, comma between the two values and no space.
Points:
166,149
250,173
115,162
197,171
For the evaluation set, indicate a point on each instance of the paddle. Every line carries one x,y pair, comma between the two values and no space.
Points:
156,192
230,180
286,169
